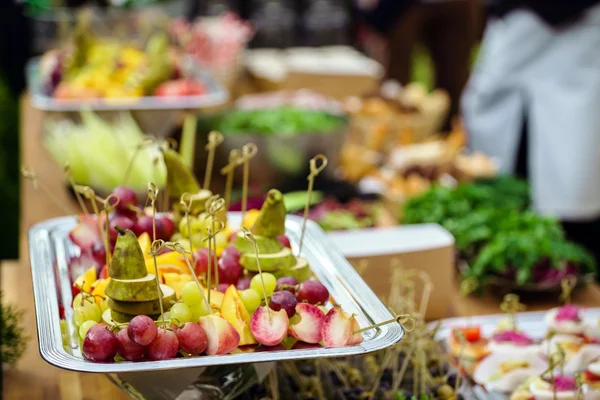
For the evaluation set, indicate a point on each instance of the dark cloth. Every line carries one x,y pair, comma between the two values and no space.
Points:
15,40
385,15
554,12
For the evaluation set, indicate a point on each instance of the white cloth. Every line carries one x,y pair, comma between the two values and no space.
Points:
551,77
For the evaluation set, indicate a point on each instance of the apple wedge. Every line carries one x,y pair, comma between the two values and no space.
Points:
269,327
307,323
222,336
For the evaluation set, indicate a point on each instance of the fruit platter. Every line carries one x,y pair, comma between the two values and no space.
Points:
106,73
552,354
131,288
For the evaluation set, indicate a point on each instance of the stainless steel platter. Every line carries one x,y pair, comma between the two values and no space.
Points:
50,251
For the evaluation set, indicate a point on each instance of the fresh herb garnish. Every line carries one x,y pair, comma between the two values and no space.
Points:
13,339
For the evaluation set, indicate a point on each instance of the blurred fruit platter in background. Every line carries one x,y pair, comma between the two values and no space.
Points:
105,69
531,355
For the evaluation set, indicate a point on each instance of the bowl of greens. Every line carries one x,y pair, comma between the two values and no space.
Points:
287,138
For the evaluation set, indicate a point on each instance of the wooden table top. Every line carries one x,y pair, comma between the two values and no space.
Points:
32,378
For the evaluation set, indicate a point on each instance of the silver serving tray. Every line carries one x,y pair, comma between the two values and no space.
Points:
50,250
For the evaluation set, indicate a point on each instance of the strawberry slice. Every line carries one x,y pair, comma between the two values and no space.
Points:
85,233
472,333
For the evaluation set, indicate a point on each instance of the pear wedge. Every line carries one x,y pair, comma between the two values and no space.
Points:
264,244
282,260
142,289
271,219
144,307
128,260
301,270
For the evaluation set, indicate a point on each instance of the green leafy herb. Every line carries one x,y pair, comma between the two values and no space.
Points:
13,339
280,121
495,232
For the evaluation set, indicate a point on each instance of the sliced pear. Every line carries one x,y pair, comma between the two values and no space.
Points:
282,260
271,219
265,244
111,316
301,270
142,289
128,259
144,307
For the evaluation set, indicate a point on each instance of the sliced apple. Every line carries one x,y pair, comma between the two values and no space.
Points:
269,327
337,328
234,311
356,338
86,232
222,337
307,323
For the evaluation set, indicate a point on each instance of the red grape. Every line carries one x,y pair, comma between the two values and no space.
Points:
284,300
287,283
144,224
164,346
223,287
192,338
243,283
230,270
201,257
127,198
100,344
128,349
232,252
122,222
167,228
284,240
313,292
142,330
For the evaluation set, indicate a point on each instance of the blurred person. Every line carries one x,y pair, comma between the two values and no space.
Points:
448,29
539,67
14,52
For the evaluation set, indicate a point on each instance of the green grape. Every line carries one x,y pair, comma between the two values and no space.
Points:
190,294
222,240
270,284
185,243
104,304
198,241
199,224
183,227
251,299
181,312
165,316
87,312
82,297
199,310
85,327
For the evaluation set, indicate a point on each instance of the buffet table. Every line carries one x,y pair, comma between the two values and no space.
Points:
32,378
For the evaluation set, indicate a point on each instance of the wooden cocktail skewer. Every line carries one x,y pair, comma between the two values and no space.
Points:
314,171
426,294
250,237
213,205
89,194
511,305
402,319
228,170
249,150
181,250
579,383
30,174
210,238
214,139
186,204
155,249
567,285
188,140
67,170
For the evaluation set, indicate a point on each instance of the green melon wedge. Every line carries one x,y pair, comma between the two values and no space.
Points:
282,260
